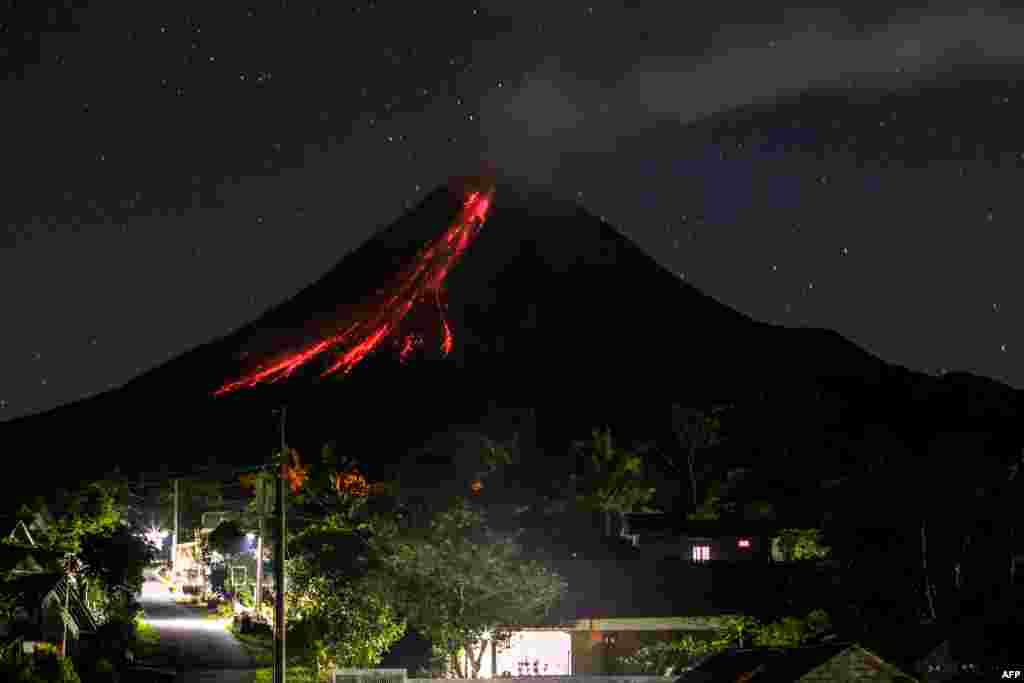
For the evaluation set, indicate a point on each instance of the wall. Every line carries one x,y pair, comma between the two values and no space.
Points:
722,547
591,657
556,679
727,548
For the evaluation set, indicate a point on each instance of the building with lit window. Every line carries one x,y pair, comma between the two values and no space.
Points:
660,535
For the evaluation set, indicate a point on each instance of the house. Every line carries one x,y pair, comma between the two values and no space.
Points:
26,530
187,560
831,663
922,650
39,598
649,584
24,559
702,540
32,576
616,603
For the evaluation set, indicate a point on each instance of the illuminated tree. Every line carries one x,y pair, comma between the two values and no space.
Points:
458,582
801,544
614,481
334,593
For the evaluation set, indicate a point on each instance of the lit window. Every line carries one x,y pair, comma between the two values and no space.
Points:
701,553
743,543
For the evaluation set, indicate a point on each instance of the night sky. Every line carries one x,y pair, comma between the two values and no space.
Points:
175,169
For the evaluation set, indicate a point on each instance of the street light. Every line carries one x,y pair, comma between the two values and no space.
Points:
156,537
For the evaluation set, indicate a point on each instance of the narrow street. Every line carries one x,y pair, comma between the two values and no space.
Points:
197,649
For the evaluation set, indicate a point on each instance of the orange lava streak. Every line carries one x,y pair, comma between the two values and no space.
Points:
423,276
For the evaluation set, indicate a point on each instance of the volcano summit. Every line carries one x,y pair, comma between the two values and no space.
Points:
548,309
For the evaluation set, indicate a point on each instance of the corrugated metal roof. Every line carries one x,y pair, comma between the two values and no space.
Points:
663,524
34,587
764,664
15,556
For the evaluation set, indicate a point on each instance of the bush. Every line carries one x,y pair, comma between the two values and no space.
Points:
261,628
54,669
45,667
103,671
115,638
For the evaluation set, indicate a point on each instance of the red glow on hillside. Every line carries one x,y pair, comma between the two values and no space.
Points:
419,282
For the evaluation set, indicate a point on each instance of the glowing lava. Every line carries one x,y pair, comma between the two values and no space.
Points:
421,280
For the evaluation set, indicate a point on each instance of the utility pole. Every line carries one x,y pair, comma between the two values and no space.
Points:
259,566
67,604
174,536
279,616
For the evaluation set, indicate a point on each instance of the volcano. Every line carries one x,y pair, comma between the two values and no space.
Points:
540,306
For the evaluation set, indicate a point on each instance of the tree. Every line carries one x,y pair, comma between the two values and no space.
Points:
722,496
801,544
227,539
335,593
195,496
88,523
116,559
91,509
336,598
458,583
696,430
792,631
614,482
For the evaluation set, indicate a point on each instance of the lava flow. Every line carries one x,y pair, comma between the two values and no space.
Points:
420,281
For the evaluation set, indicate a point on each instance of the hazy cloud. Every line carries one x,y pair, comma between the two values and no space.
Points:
548,121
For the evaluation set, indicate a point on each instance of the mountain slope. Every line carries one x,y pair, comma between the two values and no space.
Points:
550,308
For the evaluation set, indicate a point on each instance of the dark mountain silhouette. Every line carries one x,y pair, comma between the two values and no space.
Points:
551,308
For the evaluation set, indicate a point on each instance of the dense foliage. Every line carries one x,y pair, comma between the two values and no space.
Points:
679,654
116,558
458,583
802,544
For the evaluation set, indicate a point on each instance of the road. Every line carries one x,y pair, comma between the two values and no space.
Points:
196,648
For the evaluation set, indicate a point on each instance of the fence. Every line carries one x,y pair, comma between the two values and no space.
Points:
609,678
399,676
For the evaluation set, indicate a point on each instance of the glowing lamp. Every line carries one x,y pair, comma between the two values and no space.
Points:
743,543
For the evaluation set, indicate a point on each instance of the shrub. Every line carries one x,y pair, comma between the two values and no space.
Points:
103,671
262,628
53,669
114,638
225,610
